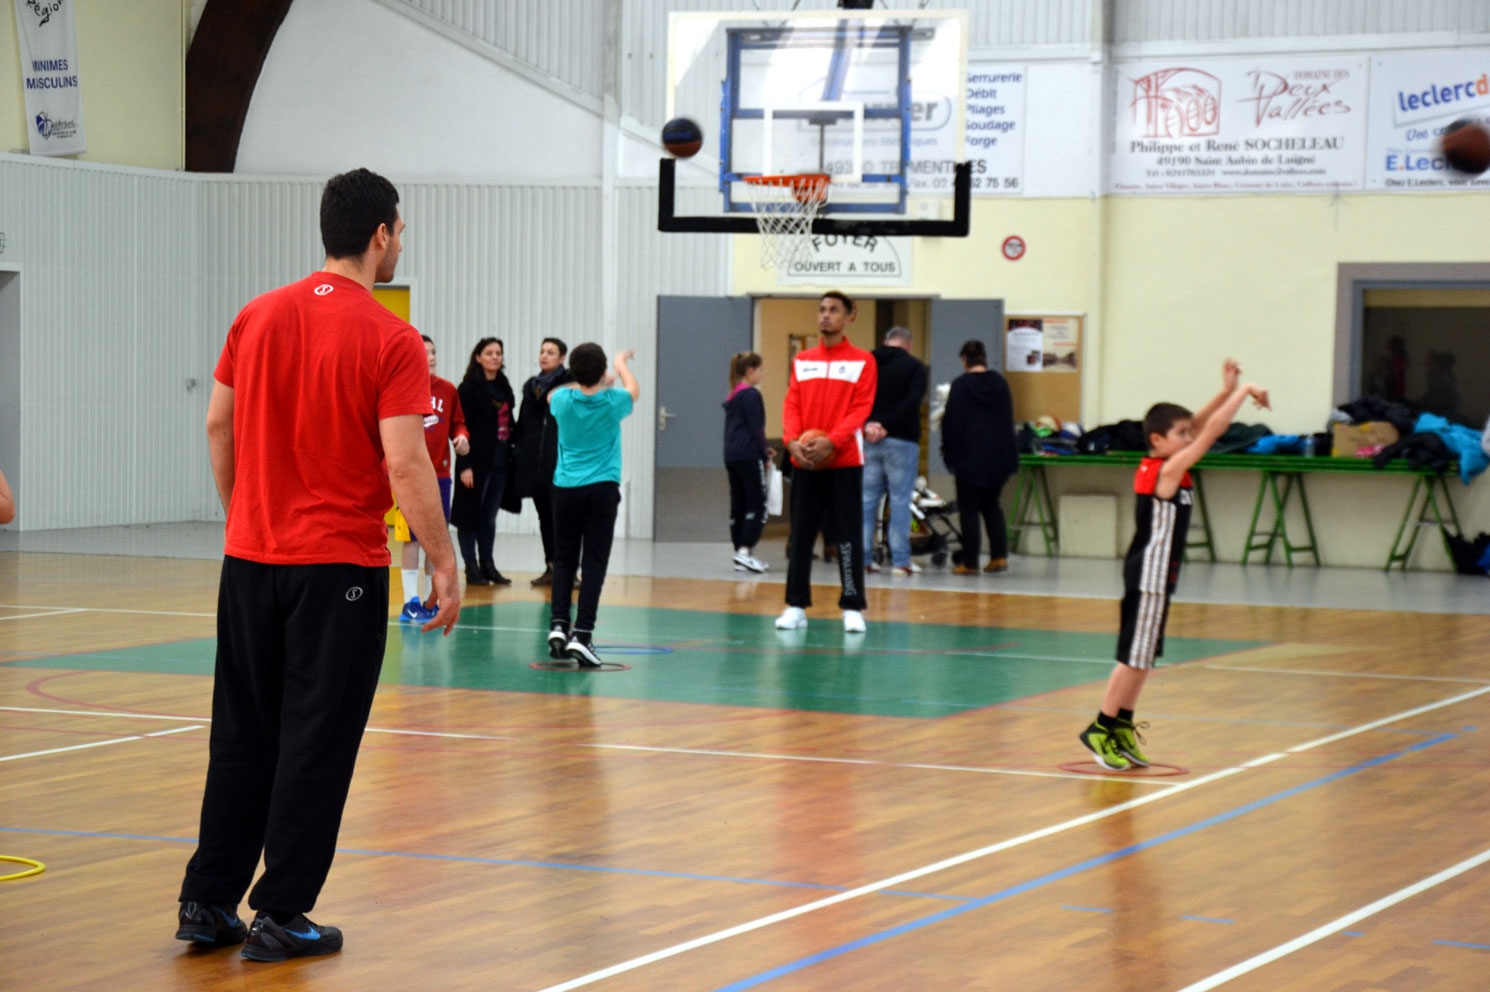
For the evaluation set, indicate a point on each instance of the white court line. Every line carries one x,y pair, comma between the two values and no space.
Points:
122,716
1346,675
207,720
915,873
868,762
116,740
1316,935
101,609
60,612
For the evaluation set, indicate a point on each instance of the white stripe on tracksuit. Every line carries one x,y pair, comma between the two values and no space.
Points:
1152,583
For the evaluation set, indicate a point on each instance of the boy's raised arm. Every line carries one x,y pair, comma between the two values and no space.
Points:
1179,463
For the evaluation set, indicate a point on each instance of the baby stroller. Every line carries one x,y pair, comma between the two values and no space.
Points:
933,531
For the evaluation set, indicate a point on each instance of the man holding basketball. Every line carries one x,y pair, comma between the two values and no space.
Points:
317,388
828,399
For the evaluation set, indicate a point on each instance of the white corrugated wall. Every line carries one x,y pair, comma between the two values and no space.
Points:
1140,21
110,433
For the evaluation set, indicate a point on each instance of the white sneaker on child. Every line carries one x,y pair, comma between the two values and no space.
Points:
792,618
747,562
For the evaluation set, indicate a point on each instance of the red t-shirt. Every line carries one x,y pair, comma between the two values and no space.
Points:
313,367
443,423
831,389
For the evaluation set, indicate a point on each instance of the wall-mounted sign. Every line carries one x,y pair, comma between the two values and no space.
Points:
1013,248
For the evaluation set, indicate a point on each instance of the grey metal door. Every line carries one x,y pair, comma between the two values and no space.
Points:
696,336
953,323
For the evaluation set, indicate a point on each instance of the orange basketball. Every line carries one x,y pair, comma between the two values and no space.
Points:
812,434
1466,147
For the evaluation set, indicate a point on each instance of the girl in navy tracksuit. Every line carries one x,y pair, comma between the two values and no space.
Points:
746,455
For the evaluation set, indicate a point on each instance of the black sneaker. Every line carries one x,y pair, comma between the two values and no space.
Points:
493,576
269,941
210,923
582,649
558,639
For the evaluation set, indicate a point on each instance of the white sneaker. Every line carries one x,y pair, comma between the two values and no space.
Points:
747,562
792,618
853,622
911,569
871,567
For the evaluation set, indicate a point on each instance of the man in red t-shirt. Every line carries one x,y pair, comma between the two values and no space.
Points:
318,387
444,425
831,390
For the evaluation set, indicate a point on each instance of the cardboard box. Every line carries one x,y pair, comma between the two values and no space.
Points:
1362,440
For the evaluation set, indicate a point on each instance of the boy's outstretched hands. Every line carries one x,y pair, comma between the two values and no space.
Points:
1231,374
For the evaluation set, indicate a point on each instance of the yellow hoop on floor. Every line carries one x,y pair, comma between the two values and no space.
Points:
36,868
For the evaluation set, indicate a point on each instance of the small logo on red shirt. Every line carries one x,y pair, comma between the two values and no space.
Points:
323,289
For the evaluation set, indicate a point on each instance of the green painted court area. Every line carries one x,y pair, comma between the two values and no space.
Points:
683,656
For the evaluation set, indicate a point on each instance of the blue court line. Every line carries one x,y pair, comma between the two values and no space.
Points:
1071,870
1460,943
510,862
1087,909
1205,919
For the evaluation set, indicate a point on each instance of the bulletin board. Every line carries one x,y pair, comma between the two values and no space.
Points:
1043,362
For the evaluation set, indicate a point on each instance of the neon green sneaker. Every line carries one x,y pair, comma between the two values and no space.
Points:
1127,738
1102,744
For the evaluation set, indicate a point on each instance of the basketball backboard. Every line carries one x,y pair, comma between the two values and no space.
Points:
873,99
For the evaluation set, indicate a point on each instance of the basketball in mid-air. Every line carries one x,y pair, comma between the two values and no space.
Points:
1466,147
812,434
682,137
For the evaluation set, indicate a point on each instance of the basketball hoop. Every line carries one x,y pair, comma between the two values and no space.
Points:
785,207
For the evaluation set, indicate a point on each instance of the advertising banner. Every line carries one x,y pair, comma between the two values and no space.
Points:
1413,98
49,74
994,138
835,260
1266,124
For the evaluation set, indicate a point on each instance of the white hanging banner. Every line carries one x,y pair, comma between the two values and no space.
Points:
49,73
1414,96
1264,124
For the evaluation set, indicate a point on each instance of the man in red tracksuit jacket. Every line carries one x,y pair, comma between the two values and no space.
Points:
831,389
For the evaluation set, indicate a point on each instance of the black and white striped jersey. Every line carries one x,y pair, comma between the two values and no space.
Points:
1153,561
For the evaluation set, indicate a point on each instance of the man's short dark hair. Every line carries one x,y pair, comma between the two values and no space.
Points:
844,298
587,364
563,348
427,339
353,205
974,353
1162,416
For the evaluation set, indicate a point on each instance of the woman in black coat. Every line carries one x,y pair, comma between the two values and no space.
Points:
538,445
981,452
486,397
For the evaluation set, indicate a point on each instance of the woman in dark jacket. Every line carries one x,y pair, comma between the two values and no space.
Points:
538,445
746,455
980,449
486,397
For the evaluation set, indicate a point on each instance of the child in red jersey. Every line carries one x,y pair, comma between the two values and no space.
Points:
1177,439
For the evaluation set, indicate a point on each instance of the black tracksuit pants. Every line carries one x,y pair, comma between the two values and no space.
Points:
981,504
584,530
837,496
299,649
747,502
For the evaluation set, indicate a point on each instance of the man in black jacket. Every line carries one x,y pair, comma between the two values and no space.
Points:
893,452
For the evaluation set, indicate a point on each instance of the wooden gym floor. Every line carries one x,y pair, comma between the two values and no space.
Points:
746,809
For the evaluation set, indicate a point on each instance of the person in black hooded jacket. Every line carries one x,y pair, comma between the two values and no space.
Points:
979,448
746,455
538,445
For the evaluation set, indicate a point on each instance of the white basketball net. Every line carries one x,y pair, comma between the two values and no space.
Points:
785,207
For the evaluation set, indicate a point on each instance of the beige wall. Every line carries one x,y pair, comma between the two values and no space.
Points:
1172,285
132,60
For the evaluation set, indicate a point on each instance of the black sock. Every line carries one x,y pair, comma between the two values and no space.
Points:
1125,715
281,919
1106,722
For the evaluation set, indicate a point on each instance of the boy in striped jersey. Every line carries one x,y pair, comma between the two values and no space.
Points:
1177,438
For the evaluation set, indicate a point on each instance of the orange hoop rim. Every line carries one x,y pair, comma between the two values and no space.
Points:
805,186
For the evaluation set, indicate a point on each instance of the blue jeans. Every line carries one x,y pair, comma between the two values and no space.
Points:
890,470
